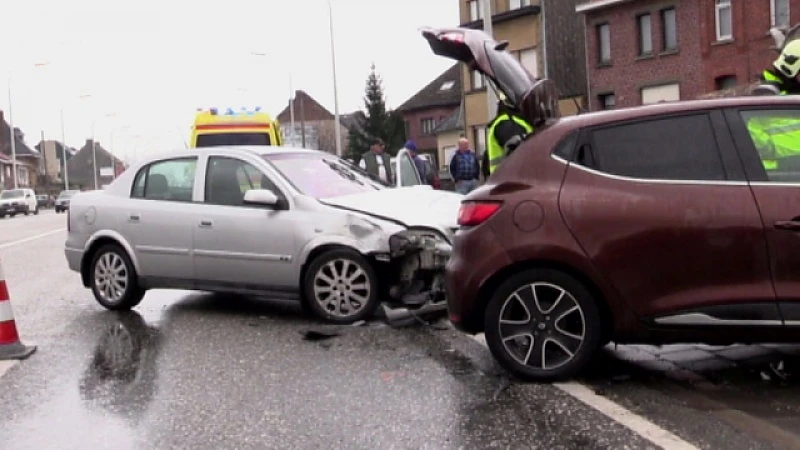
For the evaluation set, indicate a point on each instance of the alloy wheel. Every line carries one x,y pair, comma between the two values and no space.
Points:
542,326
342,287
111,277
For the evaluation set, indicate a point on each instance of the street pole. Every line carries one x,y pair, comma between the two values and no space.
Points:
44,162
291,106
94,158
337,120
64,151
491,98
13,136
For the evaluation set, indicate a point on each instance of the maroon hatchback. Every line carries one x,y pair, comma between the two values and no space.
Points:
676,222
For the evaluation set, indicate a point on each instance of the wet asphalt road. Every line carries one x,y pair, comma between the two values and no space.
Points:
194,370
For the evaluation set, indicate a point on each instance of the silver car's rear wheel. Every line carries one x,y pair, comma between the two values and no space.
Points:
341,287
543,325
113,279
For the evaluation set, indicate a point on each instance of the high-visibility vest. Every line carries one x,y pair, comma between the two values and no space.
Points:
775,138
769,76
496,151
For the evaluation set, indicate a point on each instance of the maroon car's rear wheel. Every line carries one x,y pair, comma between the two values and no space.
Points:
543,325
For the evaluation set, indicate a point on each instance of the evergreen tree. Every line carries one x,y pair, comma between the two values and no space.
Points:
376,122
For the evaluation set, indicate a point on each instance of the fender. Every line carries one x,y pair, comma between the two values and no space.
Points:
117,237
358,245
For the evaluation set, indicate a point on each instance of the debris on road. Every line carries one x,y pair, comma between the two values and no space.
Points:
320,334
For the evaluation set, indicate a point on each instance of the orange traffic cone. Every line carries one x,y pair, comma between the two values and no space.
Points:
10,345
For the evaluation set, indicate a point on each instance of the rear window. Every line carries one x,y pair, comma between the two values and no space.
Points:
217,139
669,148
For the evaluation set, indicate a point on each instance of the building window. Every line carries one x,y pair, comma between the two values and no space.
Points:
475,10
779,13
517,4
724,20
604,43
447,85
725,82
669,29
607,101
479,138
428,124
478,80
529,59
645,35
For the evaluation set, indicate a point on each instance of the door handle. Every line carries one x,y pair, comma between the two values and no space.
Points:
133,217
788,225
206,223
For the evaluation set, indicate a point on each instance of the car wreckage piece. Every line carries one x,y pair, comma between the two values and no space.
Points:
416,263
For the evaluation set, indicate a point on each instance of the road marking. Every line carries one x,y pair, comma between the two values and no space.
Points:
5,366
32,238
625,417
618,413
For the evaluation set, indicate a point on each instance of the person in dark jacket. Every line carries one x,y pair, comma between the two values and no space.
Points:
465,168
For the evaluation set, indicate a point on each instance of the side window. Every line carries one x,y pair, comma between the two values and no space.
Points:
776,137
228,179
671,148
171,180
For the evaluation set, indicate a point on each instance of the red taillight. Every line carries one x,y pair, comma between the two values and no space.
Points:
475,213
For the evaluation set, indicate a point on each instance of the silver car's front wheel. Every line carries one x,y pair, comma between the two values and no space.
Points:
340,287
113,279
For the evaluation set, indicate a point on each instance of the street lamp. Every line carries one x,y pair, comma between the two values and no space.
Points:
337,120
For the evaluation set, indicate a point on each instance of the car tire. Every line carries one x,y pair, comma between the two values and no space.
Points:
36,211
570,333
127,293
353,285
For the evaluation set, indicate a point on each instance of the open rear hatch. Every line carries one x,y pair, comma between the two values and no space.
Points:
535,99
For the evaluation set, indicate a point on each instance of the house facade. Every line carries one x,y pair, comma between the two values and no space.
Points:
314,125
640,52
426,110
27,158
82,167
448,132
544,35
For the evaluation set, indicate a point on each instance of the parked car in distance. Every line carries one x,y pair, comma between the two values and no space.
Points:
676,222
18,201
273,221
45,201
62,202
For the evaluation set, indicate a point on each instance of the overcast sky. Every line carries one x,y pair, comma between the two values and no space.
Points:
140,69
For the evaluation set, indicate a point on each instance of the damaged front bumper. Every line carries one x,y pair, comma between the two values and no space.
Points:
417,260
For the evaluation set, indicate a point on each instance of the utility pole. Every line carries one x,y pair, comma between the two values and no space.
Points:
337,120
303,122
13,137
291,107
64,152
491,98
44,163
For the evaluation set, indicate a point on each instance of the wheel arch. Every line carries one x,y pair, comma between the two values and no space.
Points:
98,240
494,281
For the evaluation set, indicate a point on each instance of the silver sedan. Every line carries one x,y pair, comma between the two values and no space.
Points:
267,221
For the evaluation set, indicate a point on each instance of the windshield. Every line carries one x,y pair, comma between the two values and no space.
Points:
217,139
322,176
16,193
66,194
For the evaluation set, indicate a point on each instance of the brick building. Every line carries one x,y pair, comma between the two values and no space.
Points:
428,108
314,125
648,51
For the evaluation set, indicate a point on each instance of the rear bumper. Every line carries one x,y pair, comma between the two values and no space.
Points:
477,255
74,257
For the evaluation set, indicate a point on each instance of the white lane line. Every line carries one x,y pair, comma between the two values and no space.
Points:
32,238
618,413
5,366
625,417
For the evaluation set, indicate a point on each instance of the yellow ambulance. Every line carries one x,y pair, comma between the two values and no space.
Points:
214,126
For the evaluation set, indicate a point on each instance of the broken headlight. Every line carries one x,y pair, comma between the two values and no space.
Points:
433,248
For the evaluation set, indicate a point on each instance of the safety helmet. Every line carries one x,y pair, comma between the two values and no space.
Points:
788,63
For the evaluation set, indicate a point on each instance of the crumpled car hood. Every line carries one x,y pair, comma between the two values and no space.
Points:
411,206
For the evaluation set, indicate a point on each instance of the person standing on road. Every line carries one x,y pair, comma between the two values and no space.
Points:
505,133
377,162
465,168
411,146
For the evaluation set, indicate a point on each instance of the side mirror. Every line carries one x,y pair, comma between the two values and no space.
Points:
260,197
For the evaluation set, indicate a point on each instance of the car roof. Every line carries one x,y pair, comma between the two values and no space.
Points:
240,150
596,118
